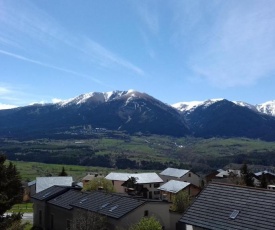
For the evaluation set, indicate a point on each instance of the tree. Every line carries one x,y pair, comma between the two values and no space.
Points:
130,183
180,202
99,183
11,192
63,172
147,223
86,220
247,176
263,181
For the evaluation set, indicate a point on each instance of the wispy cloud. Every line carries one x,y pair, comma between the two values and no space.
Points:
106,58
50,66
44,31
148,13
233,43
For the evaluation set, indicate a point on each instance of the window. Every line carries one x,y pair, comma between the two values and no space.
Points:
189,175
68,225
52,221
234,214
113,208
156,185
150,185
146,213
40,217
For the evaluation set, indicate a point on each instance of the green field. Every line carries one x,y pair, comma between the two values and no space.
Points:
23,208
30,170
80,156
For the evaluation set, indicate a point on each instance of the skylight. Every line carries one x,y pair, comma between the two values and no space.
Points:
46,194
104,205
113,208
234,214
82,200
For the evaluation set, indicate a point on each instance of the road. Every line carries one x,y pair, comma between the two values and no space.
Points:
26,217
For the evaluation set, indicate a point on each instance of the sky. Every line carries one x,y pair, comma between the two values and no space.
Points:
175,51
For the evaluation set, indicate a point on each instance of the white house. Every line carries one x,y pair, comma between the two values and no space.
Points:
180,175
147,184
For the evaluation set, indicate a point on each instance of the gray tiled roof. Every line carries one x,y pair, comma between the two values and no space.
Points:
50,193
173,186
112,205
173,172
66,198
212,209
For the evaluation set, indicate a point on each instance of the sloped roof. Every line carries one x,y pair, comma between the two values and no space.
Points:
218,204
67,198
173,186
227,172
173,172
46,182
109,204
118,176
265,172
141,178
50,193
31,183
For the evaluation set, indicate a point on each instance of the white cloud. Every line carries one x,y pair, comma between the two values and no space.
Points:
106,58
233,42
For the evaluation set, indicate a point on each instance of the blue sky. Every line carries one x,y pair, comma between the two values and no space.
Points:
176,51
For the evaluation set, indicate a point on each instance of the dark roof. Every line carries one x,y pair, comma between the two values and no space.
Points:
66,198
109,204
50,193
218,204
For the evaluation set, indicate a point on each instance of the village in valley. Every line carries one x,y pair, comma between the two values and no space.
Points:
176,198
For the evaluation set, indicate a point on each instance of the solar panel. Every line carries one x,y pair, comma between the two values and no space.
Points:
234,214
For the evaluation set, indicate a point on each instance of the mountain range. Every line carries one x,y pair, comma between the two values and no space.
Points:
135,112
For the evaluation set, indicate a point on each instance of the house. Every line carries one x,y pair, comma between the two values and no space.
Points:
180,175
90,177
29,190
173,187
270,177
43,183
60,207
146,183
227,206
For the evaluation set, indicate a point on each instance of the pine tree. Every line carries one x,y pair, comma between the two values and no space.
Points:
247,176
63,172
11,192
263,181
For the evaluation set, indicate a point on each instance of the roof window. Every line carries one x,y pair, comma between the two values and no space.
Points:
113,208
82,200
104,205
234,214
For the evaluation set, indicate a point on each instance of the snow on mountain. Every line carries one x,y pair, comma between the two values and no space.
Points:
244,104
5,106
267,108
190,106
94,96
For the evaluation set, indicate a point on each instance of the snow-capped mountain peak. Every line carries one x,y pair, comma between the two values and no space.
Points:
267,107
191,105
244,104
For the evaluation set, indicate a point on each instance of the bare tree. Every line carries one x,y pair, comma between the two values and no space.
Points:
86,220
